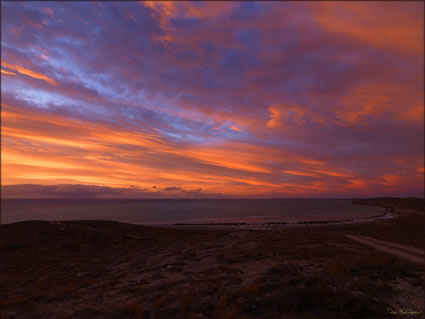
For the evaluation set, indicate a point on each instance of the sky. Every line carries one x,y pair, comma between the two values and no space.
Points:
212,99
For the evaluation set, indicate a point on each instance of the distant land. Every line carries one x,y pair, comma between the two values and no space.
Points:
172,192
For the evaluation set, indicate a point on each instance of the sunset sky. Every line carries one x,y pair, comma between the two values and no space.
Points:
212,99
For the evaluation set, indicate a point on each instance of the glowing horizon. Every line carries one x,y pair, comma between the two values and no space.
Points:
213,99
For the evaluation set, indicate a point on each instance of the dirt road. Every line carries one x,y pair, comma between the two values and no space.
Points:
409,253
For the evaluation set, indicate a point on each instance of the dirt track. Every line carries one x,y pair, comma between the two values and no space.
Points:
409,253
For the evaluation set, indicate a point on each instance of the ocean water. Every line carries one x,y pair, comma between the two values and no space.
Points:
155,211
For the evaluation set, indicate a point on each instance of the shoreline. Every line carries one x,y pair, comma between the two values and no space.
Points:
160,214
388,214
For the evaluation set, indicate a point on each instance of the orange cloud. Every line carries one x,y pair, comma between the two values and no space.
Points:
167,10
172,9
7,72
389,25
274,114
299,173
374,100
332,173
315,173
209,9
21,159
62,158
93,157
281,114
226,157
312,161
358,184
390,180
29,72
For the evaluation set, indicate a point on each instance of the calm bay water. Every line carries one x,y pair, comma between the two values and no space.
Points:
184,211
